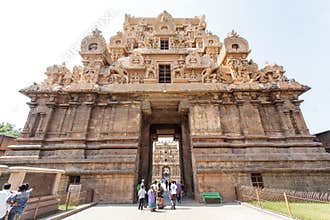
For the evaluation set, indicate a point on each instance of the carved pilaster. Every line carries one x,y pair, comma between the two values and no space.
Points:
48,116
301,124
284,116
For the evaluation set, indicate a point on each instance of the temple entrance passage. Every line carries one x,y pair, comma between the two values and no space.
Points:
166,158
165,152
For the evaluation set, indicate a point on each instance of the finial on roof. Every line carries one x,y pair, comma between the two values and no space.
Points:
232,34
97,32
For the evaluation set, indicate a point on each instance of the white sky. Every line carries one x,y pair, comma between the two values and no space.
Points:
37,34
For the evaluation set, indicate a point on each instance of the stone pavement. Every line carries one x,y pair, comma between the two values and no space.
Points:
187,211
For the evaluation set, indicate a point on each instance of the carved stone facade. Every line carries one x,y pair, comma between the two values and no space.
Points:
166,162
230,117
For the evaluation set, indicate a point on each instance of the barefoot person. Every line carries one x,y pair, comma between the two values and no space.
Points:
152,198
141,194
173,192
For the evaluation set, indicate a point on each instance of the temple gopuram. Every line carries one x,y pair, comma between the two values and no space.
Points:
235,123
166,161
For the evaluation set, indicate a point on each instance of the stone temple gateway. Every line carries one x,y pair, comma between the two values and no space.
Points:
235,123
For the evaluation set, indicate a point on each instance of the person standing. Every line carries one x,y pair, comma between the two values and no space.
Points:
160,196
179,192
173,192
18,202
4,196
138,187
152,198
141,194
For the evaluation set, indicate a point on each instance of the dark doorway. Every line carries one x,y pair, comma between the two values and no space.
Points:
166,121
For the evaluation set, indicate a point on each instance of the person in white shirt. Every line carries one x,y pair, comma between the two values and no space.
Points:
4,196
173,189
142,194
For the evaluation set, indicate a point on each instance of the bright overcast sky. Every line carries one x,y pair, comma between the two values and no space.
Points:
37,34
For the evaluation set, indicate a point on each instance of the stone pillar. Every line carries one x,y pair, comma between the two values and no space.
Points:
284,116
16,179
250,118
186,153
28,125
301,124
145,151
61,124
89,106
56,183
48,119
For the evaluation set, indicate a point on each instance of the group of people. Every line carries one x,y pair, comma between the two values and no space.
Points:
158,194
13,203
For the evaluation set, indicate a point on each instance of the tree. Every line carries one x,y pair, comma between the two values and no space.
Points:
9,129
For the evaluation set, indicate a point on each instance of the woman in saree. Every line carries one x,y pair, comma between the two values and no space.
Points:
152,199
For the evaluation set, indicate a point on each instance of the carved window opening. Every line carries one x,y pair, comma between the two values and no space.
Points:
256,180
164,28
148,29
164,44
92,47
327,149
235,46
164,73
35,125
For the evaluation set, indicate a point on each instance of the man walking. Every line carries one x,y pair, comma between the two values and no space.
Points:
141,194
173,192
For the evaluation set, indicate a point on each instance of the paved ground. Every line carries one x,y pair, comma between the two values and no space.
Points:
188,211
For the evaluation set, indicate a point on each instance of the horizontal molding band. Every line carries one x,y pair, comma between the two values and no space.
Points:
271,157
254,144
19,160
260,170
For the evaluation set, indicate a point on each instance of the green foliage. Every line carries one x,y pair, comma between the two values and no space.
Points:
62,207
9,129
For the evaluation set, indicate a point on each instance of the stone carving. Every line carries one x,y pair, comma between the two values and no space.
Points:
76,73
90,73
130,56
193,60
150,69
94,43
55,74
136,59
271,73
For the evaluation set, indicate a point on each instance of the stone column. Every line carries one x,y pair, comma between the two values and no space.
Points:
260,130
16,179
186,152
89,106
48,119
300,121
285,120
56,183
